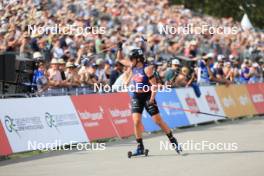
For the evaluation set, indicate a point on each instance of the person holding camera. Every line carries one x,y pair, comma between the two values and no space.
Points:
207,74
172,73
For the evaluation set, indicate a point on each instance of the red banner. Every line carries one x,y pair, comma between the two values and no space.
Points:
256,92
93,116
105,115
117,108
5,148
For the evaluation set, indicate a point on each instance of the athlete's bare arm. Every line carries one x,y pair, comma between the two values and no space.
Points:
127,63
120,58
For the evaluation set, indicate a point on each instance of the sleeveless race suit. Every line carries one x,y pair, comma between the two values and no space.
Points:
140,100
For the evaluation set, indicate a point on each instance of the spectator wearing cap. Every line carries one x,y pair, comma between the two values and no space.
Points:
218,70
39,72
207,74
34,42
88,77
172,73
54,75
37,56
245,72
100,71
255,73
71,74
40,78
205,69
235,68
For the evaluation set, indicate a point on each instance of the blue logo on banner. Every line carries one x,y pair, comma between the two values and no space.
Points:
174,118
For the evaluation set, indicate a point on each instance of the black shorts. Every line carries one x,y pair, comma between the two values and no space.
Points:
141,101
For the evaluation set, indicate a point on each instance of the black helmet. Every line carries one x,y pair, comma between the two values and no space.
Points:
136,54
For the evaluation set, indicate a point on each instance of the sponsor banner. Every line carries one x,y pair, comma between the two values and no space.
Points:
5,148
29,122
207,103
117,108
174,118
148,123
211,101
256,92
235,100
93,116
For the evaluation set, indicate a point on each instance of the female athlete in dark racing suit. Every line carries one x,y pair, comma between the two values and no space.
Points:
143,96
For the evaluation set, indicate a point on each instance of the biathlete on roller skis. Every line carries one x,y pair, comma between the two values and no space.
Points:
142,76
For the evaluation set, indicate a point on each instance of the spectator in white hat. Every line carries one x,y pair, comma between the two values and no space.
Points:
172,73
72,77
54,74
255,73
37,56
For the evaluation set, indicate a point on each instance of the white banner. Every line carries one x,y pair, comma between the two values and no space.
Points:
40,122
208,103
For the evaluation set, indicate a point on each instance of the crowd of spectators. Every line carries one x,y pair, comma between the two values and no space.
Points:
83,60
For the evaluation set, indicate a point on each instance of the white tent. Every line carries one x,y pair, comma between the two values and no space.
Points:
245,23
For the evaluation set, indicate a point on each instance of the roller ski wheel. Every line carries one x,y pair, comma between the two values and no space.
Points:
145,152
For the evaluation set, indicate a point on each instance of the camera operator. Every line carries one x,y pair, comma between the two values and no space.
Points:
172,73
207,74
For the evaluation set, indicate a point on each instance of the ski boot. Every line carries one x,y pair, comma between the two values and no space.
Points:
175,144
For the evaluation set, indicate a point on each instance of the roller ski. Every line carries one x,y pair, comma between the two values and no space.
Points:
138,152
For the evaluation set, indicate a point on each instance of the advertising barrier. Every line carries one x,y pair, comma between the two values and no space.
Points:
33,122
93,116
5,148
256,93
206,103
235,101
64,119
172,117
117,108
104,115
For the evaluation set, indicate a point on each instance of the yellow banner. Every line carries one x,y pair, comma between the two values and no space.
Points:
235,101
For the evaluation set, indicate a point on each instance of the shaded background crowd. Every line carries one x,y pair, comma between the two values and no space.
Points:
80,61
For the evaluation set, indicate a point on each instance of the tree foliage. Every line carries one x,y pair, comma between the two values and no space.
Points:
228,8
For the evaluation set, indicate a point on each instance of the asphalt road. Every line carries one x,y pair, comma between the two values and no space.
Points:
243,155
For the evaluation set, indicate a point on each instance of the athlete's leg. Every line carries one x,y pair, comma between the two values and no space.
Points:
154,112
137,125
160,122
137,109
